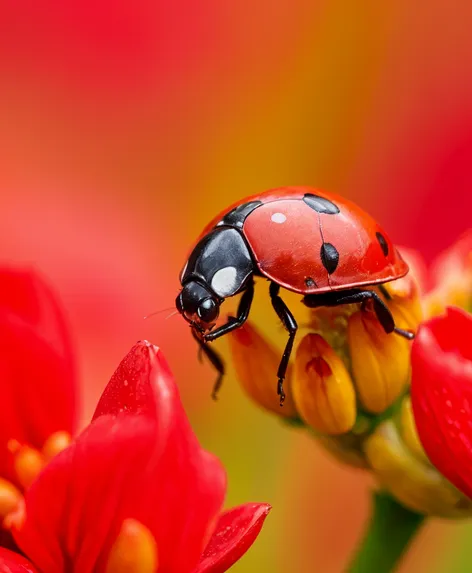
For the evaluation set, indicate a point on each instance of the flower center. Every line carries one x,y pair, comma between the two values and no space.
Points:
27,463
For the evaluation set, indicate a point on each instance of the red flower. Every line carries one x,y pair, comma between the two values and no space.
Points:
441,394
451,276
135,492
37,381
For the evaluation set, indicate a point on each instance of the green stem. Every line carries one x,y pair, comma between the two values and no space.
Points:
391,529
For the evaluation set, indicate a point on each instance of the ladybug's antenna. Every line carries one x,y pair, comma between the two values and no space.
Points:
172,314
160,312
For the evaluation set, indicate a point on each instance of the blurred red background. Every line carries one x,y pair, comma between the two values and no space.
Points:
126,126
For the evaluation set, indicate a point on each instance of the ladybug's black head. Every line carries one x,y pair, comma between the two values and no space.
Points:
198,305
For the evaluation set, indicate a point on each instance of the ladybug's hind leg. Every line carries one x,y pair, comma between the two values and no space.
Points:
289,322
384,315
352,296
405,333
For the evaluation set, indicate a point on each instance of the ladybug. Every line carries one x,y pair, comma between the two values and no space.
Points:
314,243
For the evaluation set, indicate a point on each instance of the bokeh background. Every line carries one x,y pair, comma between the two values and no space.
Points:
126,125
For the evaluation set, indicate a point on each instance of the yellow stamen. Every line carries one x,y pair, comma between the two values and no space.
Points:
10,497
380,361
16,518
27,462
322,387
134,550
55,444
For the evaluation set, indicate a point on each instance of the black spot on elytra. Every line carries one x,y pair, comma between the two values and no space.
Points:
320,204
329,257
383,243
310,283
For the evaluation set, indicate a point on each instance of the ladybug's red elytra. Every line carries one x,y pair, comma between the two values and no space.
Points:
302,239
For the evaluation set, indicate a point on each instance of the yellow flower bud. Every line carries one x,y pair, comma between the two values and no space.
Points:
408,431
256,362
403,299
322,387
415,483
380,362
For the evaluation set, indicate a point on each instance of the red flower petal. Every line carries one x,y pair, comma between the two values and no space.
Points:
452,332
138,459
441,393
236,531
25,295
13,563
142,384
7,541
37,375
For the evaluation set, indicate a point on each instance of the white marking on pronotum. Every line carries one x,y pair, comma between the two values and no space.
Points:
278,218
224,281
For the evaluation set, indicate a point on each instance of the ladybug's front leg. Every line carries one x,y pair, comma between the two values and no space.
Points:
233,323
290,324
215,360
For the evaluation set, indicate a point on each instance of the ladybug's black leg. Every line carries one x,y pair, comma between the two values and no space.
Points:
215,360
383,314
405,333
353,296
290,324
200,353
234,322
